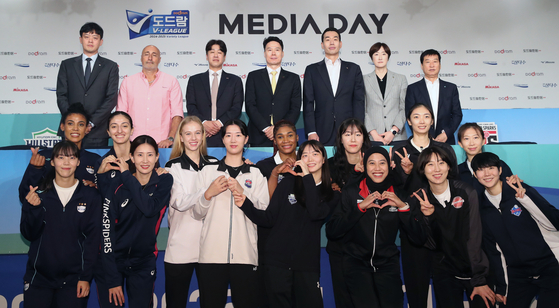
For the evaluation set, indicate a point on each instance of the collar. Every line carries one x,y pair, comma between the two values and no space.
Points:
156,74
277,158
93,58
223,167
329,62
427,82
271,70
364,190
218,72
187,163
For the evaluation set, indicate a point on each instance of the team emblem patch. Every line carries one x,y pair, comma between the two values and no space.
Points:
113,174
81,207
248,183
393,209
153,272
516,210
26,286
292,199
280,177
124,203
457,202
90,169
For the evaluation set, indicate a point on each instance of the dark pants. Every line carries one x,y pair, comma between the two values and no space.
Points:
215,278
288,288
449,290
416,267
95,142
524,286
374,287
341,291
139,282
39,297
177,283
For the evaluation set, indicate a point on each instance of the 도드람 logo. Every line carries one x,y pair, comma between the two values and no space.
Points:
176,24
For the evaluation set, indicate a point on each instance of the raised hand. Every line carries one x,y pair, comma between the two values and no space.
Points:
239,198
304,169
32,197
284,167
426,207
122,165
405,161
393,200
161,171
108,163
516,184
218,186
360,166
37,159
234,185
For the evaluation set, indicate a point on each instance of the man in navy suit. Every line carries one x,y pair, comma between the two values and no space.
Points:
214,96
333,91
446,109
272,94
91,80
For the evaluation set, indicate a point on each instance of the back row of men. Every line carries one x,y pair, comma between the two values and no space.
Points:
333,90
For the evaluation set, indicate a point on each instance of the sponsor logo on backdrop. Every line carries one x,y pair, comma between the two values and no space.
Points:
491,87
394,52
358,52
102,53
503,51
229,65
171,64
505,74
533,74
174,25
185,76
490,62
244,52
138,64
476,51
201,64
278,24
448,75
35,102
478,98
461,63
7,77
548,62
476,75
521,85
22,64
536,97
518,62
531,50
490,132
67,53
185,53
45,138
549,85
403,63
7,53
37,53
6,101
20,90
283,64
302,52
262,64
122,76
447,52
36,77
464,87
50,89
415,52
508,98
416,75
52,65
126,53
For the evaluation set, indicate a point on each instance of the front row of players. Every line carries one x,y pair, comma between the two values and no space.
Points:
78,232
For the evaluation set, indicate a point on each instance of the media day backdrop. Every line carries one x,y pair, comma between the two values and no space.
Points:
501,54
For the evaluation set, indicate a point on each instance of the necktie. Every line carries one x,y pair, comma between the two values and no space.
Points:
87,70
274,81
215,86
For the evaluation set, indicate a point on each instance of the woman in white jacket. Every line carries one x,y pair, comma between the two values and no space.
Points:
187,158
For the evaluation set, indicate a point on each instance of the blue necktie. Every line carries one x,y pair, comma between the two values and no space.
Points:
87,70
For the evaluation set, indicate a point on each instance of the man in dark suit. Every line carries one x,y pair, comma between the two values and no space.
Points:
272,94
214,96
332,91
91,80
447,110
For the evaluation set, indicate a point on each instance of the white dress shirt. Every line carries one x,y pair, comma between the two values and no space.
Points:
333,72
433,89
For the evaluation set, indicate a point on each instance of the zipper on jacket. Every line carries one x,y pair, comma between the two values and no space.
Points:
230,229
375,238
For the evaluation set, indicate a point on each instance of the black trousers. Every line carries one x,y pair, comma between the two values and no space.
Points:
524,285
215,278
288,288
341,291
449,290
39,297
374,287
177,283
416,266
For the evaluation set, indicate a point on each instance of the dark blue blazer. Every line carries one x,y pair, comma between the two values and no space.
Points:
449,113
229,100
324,111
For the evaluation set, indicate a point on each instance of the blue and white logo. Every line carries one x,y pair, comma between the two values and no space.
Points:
176,23
292,199
490,62
516,210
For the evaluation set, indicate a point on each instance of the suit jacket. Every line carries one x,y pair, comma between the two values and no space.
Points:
383,113
99,97
449,114
324,111
229,100
261,104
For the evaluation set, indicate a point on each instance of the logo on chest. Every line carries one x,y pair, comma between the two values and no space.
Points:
90,169
248,183
516,210
457,202
291,198
124,203
81,207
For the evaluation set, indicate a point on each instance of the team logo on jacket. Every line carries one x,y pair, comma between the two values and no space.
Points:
457,202
393,209
153,272
124,203
292,199
26,286
90,169
248,183
516,210
113,174
280,177
81,207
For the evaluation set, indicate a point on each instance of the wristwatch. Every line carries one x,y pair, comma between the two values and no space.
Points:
394,132
171,138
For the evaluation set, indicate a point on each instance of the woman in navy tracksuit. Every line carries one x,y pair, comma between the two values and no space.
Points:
368,221
132,212
74,125
61,219
295,215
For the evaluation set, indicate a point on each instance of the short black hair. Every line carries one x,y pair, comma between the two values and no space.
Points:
283,123
377,46
220,43
467,126
418,105
141,140
91,27
429,52
239,123
425,158
485,160
272,39
331,29
76,108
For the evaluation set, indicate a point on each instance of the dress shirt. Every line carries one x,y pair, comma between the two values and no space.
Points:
270,74
333,72
219,74
152,108
433,89
84,61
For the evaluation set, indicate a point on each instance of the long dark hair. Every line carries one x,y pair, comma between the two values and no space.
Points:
326,186
65,148
342,166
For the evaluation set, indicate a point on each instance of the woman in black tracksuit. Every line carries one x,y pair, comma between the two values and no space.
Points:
296,213
368,220
61,219
132,212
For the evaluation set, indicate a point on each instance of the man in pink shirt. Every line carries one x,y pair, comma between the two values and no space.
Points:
153,99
